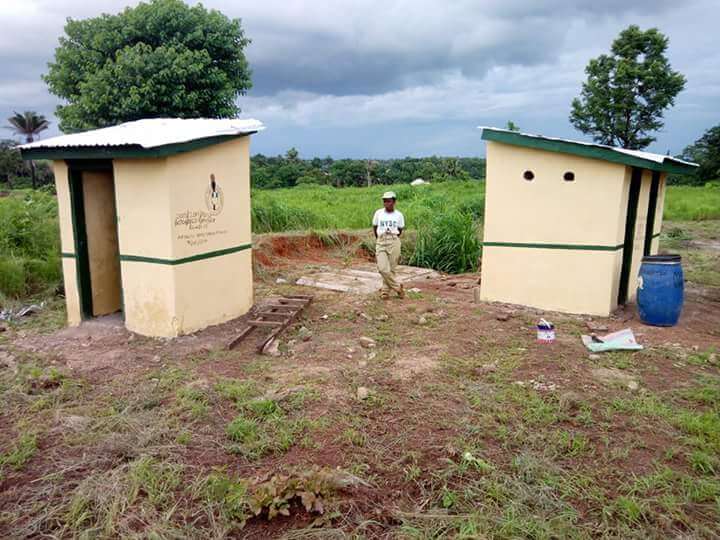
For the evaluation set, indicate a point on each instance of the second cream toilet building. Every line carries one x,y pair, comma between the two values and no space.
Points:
567,223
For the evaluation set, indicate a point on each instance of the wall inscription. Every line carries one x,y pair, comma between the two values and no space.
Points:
197,227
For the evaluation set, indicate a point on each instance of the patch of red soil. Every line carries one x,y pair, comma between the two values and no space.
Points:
279,250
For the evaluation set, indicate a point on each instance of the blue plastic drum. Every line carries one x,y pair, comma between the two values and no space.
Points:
660,290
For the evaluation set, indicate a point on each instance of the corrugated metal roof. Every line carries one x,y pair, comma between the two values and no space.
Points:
592,150
151,133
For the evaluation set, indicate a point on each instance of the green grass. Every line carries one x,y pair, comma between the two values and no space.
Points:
687,203
445,215
29,244
448,242
325,207
21,452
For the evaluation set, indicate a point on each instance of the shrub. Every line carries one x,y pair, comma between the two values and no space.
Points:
12,277
42,273
29,244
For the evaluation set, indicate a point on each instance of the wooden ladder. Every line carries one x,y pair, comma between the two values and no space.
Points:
277,315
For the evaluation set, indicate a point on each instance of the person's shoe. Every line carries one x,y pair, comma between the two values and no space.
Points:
401,292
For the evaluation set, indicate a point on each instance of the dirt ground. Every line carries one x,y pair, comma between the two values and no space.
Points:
450,421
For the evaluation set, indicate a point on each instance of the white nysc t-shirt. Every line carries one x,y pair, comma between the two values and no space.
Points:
388,222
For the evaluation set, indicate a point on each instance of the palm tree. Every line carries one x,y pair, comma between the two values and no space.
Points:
28,125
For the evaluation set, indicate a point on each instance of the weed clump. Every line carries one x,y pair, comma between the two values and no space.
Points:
448,242
23,450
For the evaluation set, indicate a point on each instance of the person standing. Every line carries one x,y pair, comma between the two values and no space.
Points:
388,224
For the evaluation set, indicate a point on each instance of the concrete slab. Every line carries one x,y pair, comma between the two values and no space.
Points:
361,279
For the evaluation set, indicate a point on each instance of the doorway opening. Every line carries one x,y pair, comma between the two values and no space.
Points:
92,195
628,243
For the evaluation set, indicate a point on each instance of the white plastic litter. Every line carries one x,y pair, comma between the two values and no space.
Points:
622,340
9,314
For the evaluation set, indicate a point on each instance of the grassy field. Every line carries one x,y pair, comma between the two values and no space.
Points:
466,427
324,207
686,203
442,219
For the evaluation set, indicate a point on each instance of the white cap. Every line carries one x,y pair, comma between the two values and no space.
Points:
389,195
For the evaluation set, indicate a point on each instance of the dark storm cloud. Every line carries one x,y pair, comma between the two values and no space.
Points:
387,49
421,72
325,67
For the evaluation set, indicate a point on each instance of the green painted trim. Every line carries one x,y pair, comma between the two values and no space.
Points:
125,151
579,247
651,212
192,258
67,255
629,237
82,265
117,237
593,151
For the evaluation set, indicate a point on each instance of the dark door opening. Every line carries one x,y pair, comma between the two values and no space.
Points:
652,208
92,194
630,219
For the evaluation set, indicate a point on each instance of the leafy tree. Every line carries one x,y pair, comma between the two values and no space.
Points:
11,164
160,58
348,172
512,126
29,125
289,169
706,153
627,91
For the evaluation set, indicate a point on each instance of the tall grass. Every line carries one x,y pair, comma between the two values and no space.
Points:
448,242
325,207
29,244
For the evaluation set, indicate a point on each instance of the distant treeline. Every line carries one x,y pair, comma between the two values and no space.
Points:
289,170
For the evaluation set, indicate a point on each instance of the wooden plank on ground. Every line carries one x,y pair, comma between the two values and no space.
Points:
279,306
258,322
292,301
241,336
276,315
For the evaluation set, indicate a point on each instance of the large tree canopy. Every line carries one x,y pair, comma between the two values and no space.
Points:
706,153
627,91
161,58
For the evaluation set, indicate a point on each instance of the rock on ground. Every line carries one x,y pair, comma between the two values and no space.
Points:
612,375
272,348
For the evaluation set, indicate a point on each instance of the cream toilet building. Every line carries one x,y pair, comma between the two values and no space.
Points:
155,222
567,223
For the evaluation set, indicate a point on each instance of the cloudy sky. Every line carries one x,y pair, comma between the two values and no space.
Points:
389,78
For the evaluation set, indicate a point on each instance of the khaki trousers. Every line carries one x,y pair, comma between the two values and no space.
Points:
387,255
